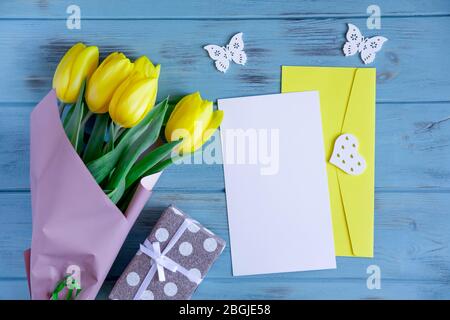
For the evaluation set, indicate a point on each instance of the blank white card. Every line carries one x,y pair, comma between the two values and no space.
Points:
276,184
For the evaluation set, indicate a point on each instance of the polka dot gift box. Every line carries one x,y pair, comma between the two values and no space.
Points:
171,262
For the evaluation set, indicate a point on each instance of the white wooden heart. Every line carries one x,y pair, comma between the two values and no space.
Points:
346,157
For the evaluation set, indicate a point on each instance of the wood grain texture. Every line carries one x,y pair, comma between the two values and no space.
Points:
204,9
412,151
250,289
31,50
410,246
412,218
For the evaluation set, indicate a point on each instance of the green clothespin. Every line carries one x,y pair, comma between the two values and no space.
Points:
67,282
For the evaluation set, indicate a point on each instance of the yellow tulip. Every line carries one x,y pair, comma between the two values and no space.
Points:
194,120
144,65
78,63
136,96
111,73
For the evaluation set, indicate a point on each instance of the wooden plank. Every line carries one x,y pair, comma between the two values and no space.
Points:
145,9
259,289
412,151
410,67
412,167
14,159
315,289
412,237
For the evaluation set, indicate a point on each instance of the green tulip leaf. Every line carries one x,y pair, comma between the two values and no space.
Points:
113,133
69,294
60,285
162,165
67,117
78,292
148,161
118,192
172,103
94,146
61,108
76,122
132,153
131,189
103,166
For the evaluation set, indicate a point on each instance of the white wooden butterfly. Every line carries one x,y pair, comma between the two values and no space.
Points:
232,51
367,47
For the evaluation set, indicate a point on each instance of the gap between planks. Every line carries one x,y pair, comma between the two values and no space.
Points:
264,278
379,190
308,16
28,104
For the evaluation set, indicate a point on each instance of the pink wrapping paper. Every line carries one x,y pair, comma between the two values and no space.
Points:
74,222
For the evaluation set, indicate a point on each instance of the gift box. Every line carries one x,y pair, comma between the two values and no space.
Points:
76,227
172,261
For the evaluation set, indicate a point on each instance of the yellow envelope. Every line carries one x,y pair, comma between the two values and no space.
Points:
347,102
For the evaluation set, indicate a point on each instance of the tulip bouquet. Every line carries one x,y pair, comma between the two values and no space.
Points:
95,157
122,95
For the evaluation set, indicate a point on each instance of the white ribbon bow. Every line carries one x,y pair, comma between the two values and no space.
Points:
153,250
160,261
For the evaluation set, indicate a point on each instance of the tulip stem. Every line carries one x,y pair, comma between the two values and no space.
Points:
87,117
61,107
114,131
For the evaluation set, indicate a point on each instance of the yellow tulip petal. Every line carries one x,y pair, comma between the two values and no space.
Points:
63,70
83,66
144,65
184,114
93,60
216,119
115,100
195,98
137,102
114,70
194,120
200,122
206,111
105,81
215,122
110,57
132,100
198,118
186,146
156,71
152,99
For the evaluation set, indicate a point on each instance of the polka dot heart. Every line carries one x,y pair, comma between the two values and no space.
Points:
133,279
210,244
185,248
346,156
162,234
170,289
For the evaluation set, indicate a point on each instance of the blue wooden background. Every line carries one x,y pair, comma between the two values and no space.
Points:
412,215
